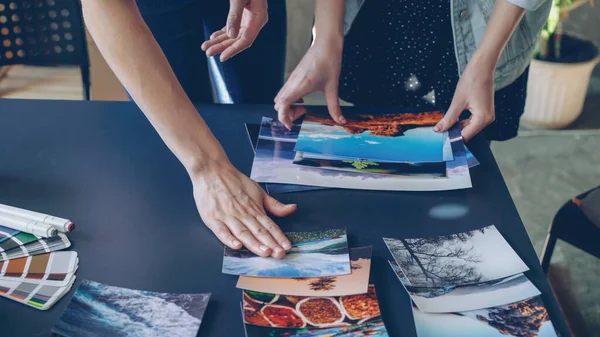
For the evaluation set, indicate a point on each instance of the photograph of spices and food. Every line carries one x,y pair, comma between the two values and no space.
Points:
313,254
284,311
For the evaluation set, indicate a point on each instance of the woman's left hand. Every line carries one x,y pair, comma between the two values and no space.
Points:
474,92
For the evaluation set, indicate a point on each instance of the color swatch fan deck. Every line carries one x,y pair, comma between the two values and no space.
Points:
33,270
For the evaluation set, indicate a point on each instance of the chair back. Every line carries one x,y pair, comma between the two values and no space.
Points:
42,33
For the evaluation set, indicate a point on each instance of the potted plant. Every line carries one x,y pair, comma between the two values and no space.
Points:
559,73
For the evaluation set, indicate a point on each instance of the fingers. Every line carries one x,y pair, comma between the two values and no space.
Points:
224,234
236,47
245,235
277,208
290,94
333,103
207,45
264,235
275,232
234,18
218,32
451,116
477,122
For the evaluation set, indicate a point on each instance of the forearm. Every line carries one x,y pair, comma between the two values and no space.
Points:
133,54
504,20
329,21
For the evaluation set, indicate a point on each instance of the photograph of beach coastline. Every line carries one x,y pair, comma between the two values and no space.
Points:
97,309
313,254
401,137
273,163
357,282
526,318
465,258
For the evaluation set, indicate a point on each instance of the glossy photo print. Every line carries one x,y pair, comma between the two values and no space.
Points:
300,312
370,328
97,309
526,318
374,136
313,254
357,282
253,131
466,258
469,297
273,163
366,166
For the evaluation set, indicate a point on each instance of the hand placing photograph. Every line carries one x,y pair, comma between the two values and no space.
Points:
299,312
470,297
357,282
526,318
471,257
374,136
273,163
313,254
97,309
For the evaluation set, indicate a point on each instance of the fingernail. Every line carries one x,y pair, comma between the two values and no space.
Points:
264,248
286,245
436,128
343,120
236,243
277,250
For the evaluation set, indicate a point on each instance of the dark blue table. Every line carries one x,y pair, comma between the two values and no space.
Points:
102,165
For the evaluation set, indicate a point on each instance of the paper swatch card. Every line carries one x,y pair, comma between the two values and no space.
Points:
7,233
357,282
528,317
470,297
38,295
470,257
371,135
313,254
97,309
52,268
41,246
352,313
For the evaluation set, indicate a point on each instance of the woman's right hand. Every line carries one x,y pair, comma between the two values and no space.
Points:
319,70
233,207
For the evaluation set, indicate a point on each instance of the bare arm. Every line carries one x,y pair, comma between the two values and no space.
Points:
134,55
475,89
230,204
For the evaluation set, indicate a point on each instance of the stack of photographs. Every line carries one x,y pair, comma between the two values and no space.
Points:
373,151
469,284
32,271
320,288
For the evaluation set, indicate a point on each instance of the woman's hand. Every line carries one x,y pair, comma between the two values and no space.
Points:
474,92
319,70
233,207
245,20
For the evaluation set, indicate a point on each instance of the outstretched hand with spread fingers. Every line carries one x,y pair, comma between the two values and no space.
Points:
245,20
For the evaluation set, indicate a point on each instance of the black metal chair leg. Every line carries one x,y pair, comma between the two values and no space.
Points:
85,78
547,252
